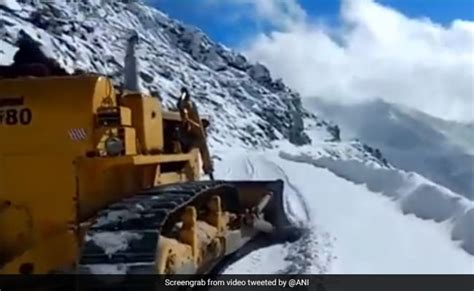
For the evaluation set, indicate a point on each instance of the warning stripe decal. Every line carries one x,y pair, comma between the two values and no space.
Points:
77,134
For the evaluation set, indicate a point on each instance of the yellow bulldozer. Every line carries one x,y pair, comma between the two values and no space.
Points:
95,179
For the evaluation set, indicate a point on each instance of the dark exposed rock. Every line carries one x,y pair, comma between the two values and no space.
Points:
260,74
146,77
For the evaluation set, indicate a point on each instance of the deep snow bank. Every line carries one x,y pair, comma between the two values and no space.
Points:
414,193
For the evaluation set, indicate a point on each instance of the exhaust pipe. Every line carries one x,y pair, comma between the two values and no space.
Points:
131,80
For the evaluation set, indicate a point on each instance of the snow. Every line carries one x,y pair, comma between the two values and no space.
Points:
356,230
116,269
10,4
103,269
7,51
414,193
116,216
267,261
112,242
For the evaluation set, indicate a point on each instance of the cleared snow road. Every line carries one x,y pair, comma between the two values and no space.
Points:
353,230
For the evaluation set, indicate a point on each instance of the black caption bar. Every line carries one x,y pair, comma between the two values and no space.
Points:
240,282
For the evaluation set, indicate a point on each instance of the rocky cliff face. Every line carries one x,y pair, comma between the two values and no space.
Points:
246,105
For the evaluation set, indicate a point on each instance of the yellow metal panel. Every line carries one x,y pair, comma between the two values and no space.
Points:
15,230
47,255
147,119
170,178
126,116
2,179
105,180
150,159
130,139
58,113
45,186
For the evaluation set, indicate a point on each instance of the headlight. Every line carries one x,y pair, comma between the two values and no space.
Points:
113,146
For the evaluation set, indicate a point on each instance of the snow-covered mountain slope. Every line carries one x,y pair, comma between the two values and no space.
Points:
442,151
246,106
459,133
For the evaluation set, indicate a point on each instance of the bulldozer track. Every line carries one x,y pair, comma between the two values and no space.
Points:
124,237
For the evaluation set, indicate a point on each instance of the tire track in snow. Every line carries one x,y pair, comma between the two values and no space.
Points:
250,169
288,209
296,191
228,172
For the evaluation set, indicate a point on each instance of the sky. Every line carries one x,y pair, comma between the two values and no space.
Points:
210,16
418,53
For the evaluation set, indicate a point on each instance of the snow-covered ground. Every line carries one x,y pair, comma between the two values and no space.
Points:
353,229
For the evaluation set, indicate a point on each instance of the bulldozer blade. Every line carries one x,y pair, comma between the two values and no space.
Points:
252,193
274,214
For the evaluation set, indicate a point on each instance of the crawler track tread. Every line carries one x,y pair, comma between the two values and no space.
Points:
125,235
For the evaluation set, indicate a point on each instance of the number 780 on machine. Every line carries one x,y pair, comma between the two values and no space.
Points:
15,116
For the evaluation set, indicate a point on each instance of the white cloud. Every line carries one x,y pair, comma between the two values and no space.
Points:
375,52
281,14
